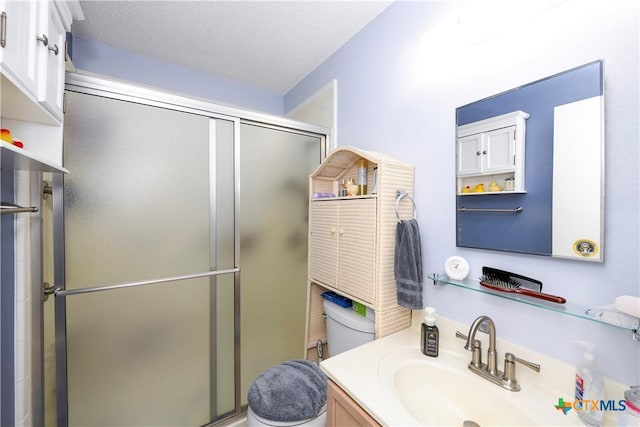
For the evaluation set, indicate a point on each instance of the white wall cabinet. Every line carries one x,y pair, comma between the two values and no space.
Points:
487,152
18,43
32,66
491,151
51,60
352,240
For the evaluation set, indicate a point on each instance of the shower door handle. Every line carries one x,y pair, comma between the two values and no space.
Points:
78,291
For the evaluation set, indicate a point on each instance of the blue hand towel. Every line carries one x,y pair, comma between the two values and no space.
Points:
408,265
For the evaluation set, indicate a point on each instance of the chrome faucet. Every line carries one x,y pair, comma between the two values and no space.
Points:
492,355
506,379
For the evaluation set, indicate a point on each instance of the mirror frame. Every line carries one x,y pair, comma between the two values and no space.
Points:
557,119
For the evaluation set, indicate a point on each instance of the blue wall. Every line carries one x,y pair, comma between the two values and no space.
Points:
122,65
399,83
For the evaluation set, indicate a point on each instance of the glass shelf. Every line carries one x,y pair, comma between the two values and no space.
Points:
566,308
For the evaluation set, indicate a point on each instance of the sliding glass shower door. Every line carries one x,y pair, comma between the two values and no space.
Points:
184,259
273,248
150,200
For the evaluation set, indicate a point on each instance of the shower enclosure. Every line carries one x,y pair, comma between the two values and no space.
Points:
183,256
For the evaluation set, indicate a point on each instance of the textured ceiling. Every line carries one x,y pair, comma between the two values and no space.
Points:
267,44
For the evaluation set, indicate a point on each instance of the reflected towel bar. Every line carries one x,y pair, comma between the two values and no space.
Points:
514,210
10,208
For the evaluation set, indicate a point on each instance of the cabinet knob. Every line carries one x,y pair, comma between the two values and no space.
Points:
341,232
478,153
334,231
54,49
43,38
484,152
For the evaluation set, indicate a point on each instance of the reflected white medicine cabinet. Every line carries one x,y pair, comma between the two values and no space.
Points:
490,155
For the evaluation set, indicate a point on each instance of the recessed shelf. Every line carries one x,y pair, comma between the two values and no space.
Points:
21,159
484,193
366,196
566,308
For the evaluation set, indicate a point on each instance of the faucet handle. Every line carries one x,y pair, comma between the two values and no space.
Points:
476,357
509,377
530,365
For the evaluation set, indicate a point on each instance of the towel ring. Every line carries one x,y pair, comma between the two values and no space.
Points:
399,196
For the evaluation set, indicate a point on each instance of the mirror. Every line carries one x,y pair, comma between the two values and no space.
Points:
530,168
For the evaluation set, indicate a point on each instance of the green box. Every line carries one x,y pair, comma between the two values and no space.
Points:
361,309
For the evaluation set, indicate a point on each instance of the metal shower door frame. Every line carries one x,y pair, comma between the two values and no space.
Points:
61,293
126,92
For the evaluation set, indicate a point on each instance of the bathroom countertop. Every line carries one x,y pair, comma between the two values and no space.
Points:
356,371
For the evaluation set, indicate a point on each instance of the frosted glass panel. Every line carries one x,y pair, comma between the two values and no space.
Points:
138,197
274,180
152,194
138,207
139,356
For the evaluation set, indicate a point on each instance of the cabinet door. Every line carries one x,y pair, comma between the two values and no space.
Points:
342,410
470,155
499,151
51,61
357,248
323,242
18,53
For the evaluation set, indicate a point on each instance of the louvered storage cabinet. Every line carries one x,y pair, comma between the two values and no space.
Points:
352,240
340,250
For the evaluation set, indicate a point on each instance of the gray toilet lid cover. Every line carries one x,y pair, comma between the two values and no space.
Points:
294,390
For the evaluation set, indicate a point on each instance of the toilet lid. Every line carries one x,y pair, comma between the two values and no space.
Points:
294,390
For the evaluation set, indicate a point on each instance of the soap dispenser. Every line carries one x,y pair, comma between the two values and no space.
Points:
589,387
430,334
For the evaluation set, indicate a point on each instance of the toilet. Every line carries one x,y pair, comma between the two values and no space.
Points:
319,420
271,396
346,329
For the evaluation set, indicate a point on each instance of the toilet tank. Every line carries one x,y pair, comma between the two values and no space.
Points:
346,329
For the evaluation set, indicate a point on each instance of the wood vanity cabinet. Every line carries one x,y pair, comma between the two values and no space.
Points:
343,411
352,239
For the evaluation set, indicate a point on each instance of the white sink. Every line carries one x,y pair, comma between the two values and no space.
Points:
443,392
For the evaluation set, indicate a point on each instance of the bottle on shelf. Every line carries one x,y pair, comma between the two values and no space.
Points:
362,176
343,188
